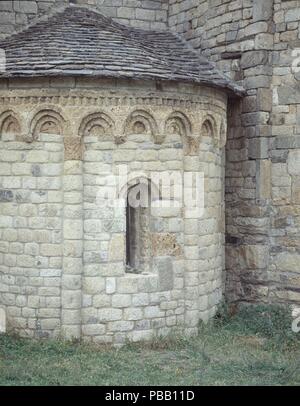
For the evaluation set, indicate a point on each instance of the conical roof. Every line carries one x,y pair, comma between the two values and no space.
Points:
78,41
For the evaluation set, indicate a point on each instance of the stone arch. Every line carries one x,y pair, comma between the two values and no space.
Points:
9,123
141,122
98,124
142,179
178,123
209,128
47,121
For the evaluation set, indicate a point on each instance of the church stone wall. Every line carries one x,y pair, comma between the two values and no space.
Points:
285,153
257,43
147,14
238,36
62,257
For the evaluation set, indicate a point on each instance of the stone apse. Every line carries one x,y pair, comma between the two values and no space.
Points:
82,99
64,267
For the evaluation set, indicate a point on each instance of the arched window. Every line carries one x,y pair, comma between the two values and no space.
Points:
138,242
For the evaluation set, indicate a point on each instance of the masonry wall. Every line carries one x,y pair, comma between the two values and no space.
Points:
285,153
31,229
255,42
148,14
62,251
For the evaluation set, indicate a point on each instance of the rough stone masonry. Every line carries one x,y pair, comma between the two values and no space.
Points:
62,269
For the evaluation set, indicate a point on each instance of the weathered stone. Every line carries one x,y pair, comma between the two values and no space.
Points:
254,256
288,142
93,329
93,285
73,148
258,148
288,261
263,179
262,10
254,58
288,95
296,190
164,268
294,163
116,248
2,321
292,15
165,244
264,41
256,28
110,285
6,196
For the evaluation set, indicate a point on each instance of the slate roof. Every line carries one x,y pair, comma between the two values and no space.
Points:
80,42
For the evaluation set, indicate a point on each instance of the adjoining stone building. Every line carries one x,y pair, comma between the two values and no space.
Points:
151,101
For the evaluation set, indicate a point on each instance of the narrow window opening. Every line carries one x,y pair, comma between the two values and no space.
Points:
137,228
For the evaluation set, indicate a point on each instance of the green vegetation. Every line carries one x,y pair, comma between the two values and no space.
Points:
254,347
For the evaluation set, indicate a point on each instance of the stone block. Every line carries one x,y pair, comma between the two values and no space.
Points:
51,250
121,325
293,163
147,283
101,300
110,285
292,15
153,312
288,95
262,10
288,262
121,300
143,14
109,314
93,285
141,335
6,195
72,148
264,100
73,229
296,190
71,282
258,148
72,265
125,12
128,284
7,18
72,182
93,329
256,28
165,244
6,5
164,267
71,316
71,299
26,6
264,41
117,248
133,314
71,332
2,321
254,256
140,299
